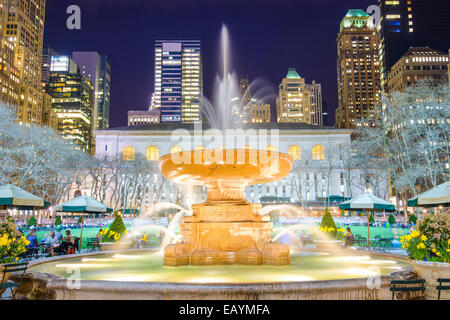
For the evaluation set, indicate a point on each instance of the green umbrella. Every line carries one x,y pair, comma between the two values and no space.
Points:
83,204
437,196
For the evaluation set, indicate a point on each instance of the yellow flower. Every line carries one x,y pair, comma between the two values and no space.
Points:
421,246
438,254
433,250
448,250
423,238
415,234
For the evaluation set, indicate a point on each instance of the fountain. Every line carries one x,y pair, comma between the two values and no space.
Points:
226,228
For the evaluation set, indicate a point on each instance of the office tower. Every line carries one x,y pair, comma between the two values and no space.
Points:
258,113
137,117
24,28
98,70
178,80
294,100
325,114
412,23
358,69
47,53
73,101
417,64
316,103
9,73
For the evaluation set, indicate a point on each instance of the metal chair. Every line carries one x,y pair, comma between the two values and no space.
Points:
13,267
440,287
405,288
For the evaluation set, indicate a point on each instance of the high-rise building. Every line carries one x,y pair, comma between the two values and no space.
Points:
49,116
316,103
417,64
24,28
178,80
140,117
294,100
72,100
258,113
9,73
98,70
47,53
358,69
411,23
325,114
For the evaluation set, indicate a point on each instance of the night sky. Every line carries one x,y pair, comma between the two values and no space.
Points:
267,38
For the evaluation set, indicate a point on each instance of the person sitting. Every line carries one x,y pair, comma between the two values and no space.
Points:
349,238
52,242
33,246
99,235
58,234
67,246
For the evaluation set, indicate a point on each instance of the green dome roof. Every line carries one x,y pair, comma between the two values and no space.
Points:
356,13
292,74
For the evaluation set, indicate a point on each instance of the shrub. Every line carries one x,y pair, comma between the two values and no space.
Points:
371,218
391,219
431,240
12,243
58,221
328,225
412,219
115,231
31,222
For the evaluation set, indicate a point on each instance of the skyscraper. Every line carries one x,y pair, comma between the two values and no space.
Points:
178,80
9,73
47,54
316,103
412,23
294,100
418,64
73,101
358,69
98,70
24,28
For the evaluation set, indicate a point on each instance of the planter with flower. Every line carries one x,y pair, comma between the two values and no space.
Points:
330,236
113,238
428,247
12,245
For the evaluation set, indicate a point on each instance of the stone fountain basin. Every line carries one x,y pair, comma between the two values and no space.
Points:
39,285
225,166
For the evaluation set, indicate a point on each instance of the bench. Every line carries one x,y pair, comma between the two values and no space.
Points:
441,287
93,243
13,267
405,288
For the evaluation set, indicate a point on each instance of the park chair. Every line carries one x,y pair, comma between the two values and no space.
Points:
93,243
13,267
405,286
441,287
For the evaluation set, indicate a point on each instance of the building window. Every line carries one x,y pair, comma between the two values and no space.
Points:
318,152
199,148
176,149
295,152
128,153
152,153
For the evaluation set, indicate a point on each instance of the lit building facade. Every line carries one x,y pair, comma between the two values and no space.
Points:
418,64
294,99
47,54
411,23
316,103
9,73
312,148
49,117
258,113
97,69
73,101
178,86
358,69
136,117
24,28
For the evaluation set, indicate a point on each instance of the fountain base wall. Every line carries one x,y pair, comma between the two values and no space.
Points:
226,233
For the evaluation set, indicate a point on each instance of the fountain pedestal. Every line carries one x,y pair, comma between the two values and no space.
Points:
226,229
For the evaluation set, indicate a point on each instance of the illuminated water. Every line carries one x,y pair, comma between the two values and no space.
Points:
147,266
